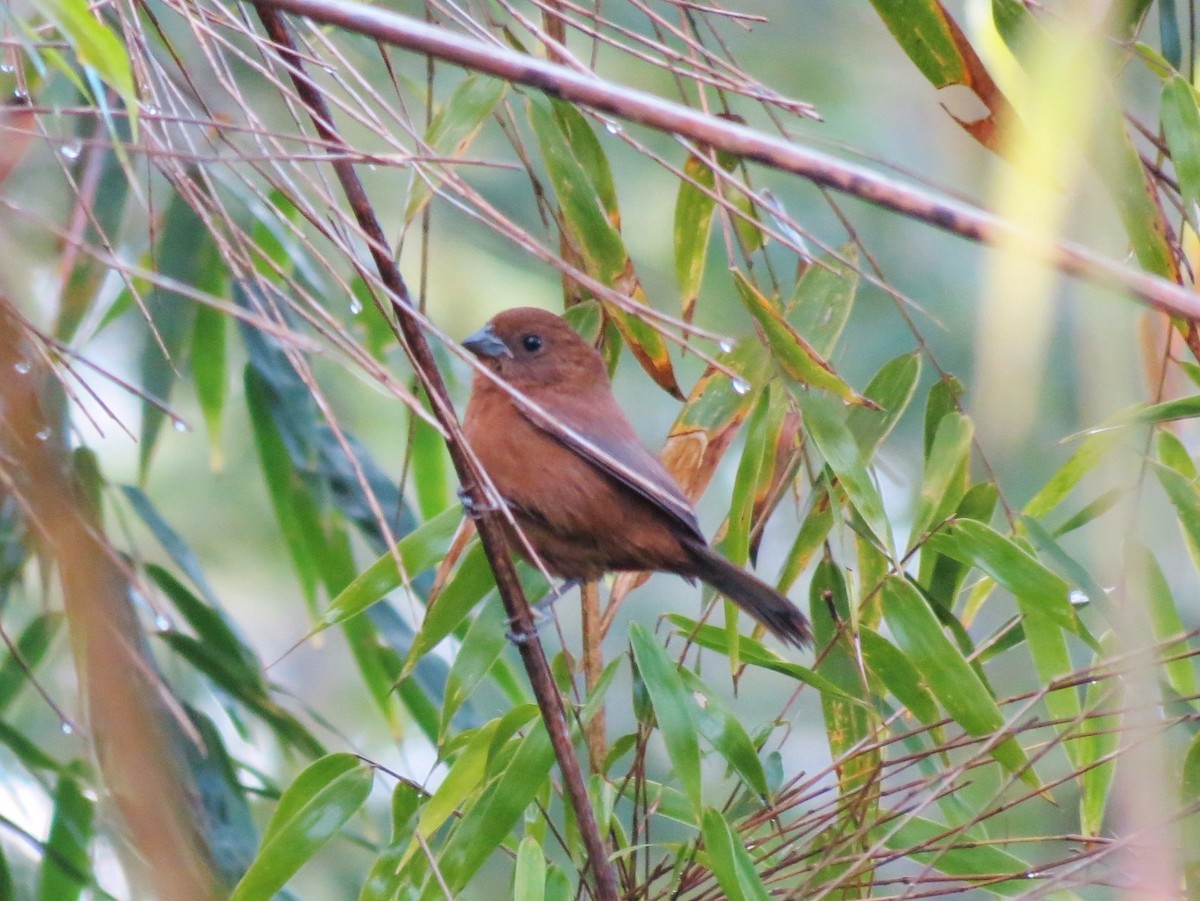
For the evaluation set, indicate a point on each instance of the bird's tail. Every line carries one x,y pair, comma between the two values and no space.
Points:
753,595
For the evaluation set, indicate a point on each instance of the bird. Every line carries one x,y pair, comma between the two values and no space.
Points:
588,496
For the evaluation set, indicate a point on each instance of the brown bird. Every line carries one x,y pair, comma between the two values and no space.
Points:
586,493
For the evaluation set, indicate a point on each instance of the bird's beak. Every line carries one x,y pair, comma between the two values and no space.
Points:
484,343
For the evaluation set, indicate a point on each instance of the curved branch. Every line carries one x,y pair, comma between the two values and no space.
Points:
633,105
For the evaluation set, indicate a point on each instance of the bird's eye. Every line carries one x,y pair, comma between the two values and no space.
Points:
531,343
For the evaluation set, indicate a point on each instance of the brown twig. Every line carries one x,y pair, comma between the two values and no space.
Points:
489,522
638,106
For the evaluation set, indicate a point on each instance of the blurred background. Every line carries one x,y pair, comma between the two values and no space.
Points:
1041,357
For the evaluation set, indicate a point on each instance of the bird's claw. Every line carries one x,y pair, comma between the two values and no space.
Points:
541,613
520,638
546,604
471,508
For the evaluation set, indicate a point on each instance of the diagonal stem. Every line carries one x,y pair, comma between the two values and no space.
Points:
488,521
962,219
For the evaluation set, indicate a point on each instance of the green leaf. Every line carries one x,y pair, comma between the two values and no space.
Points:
851,726
723,730
455,126
311,811
481,647
957,686
1174,453
902,679
295,510
465,777
815,525
792,354
674,709
1090,451
187,253
730,863
823,298
1041,592
944,482
558,886
32,757
596,236
694,211
891,390
765,419
580,137
1177,667
945,398
488,821
218,634
209,372
471,583
185,558
825,424
924,31
755,654
31,647
1134,191
246,688
66,867
96,46
529,874
1094,756
1185,498
432,474
418,551
963,853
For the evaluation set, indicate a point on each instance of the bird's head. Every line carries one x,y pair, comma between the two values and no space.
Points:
531,348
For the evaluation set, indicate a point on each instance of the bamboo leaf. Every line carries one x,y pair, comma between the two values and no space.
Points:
793,355
311,811
673,708
957,686
733,867
66,867
826,426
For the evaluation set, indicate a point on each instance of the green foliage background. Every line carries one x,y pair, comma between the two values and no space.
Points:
978,476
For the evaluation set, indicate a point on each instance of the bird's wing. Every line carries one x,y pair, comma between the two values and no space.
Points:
617,451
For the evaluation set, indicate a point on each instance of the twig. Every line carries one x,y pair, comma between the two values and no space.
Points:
489,522
638,106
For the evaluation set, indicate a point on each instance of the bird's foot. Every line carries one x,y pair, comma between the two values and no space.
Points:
542,613
546,604
471,508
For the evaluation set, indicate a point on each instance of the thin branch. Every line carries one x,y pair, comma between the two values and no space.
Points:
638,106
489,522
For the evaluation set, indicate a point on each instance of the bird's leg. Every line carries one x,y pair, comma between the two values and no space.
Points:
541,612
546,604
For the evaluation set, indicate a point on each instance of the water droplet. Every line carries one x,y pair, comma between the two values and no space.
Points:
162,622
43,434
179,425
150,109
372,167
741,386
726,345
67,728
613,128
6,68
355,306
72,150
22,367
